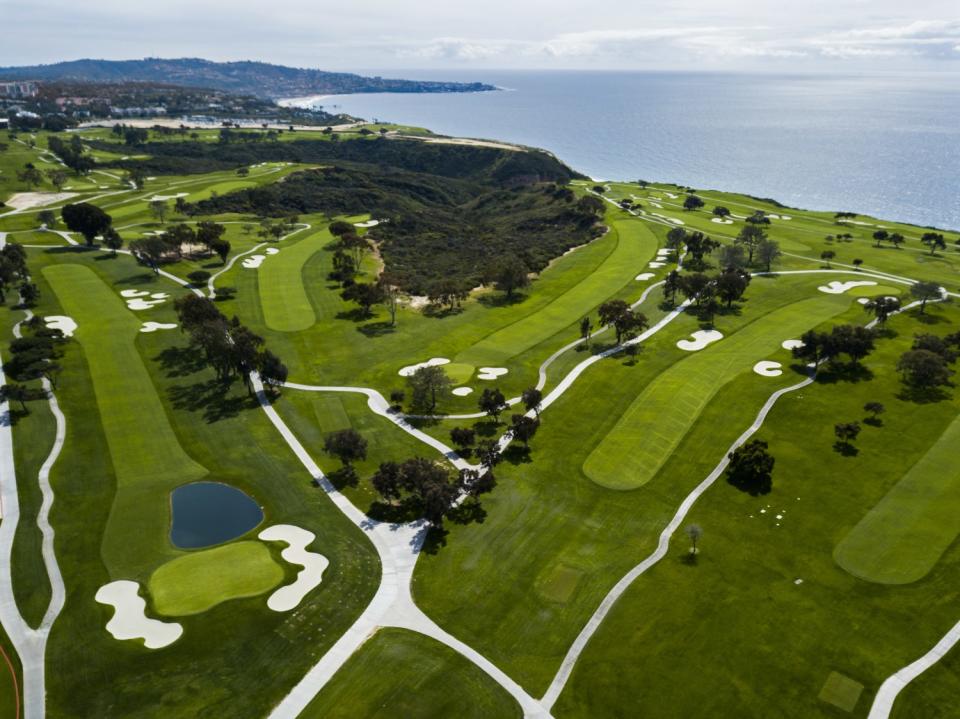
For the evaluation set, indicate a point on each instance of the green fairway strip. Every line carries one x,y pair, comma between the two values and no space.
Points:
658,419
146,454
636,245
904,535
200,580
286,307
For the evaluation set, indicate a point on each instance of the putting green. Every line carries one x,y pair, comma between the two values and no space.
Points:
874,291
147,457
636,244
193,583
901,539
653,425
286,307
458,372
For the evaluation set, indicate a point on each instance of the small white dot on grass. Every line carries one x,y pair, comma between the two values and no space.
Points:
763,511
798,581
779,516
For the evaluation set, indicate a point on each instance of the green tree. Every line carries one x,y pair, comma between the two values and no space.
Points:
89,220
768,252
348,446
924,292
427,385
751,468
510,275
750,237
532,398
934,240
692,202
493,403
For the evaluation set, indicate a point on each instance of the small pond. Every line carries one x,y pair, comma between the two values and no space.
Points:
209,513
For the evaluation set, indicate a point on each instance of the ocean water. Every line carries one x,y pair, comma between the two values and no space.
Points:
882,145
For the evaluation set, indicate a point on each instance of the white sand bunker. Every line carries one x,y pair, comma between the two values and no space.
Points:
657,205
271,250
164,198
864,300
137,299
701,338
674,220
838,288
65,324
766,368
129,619
644,276
433,362
791,344
28,200
462,391
491,372
254,261
721,221
154,326
368,223
288,597
671,195
656,265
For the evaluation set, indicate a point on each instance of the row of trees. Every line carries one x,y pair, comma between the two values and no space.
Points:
854,341
14,274
179,240
227,346
71,154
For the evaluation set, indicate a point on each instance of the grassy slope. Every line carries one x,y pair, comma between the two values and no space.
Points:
398,674
238,657
193,583
652,427
283,296
903,537
147,457
740,601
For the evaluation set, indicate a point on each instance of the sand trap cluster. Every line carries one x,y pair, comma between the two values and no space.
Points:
766,368
643,276
254,261
791,344
137,299
368,223
701,338
154,326
65,324
129,618
164,198
288,597
838,288
721,221
433,362
463,391
489,373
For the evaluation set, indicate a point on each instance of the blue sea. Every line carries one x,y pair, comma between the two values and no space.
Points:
881,145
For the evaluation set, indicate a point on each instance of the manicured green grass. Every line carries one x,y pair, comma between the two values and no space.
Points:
459,372
403,675
874,291
237,658
650,430
283,297
146,454
903,537
636,244
741,600
197,581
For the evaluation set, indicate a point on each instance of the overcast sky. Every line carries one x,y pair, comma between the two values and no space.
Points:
681,34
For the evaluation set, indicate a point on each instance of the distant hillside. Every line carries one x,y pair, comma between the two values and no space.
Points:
252,78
